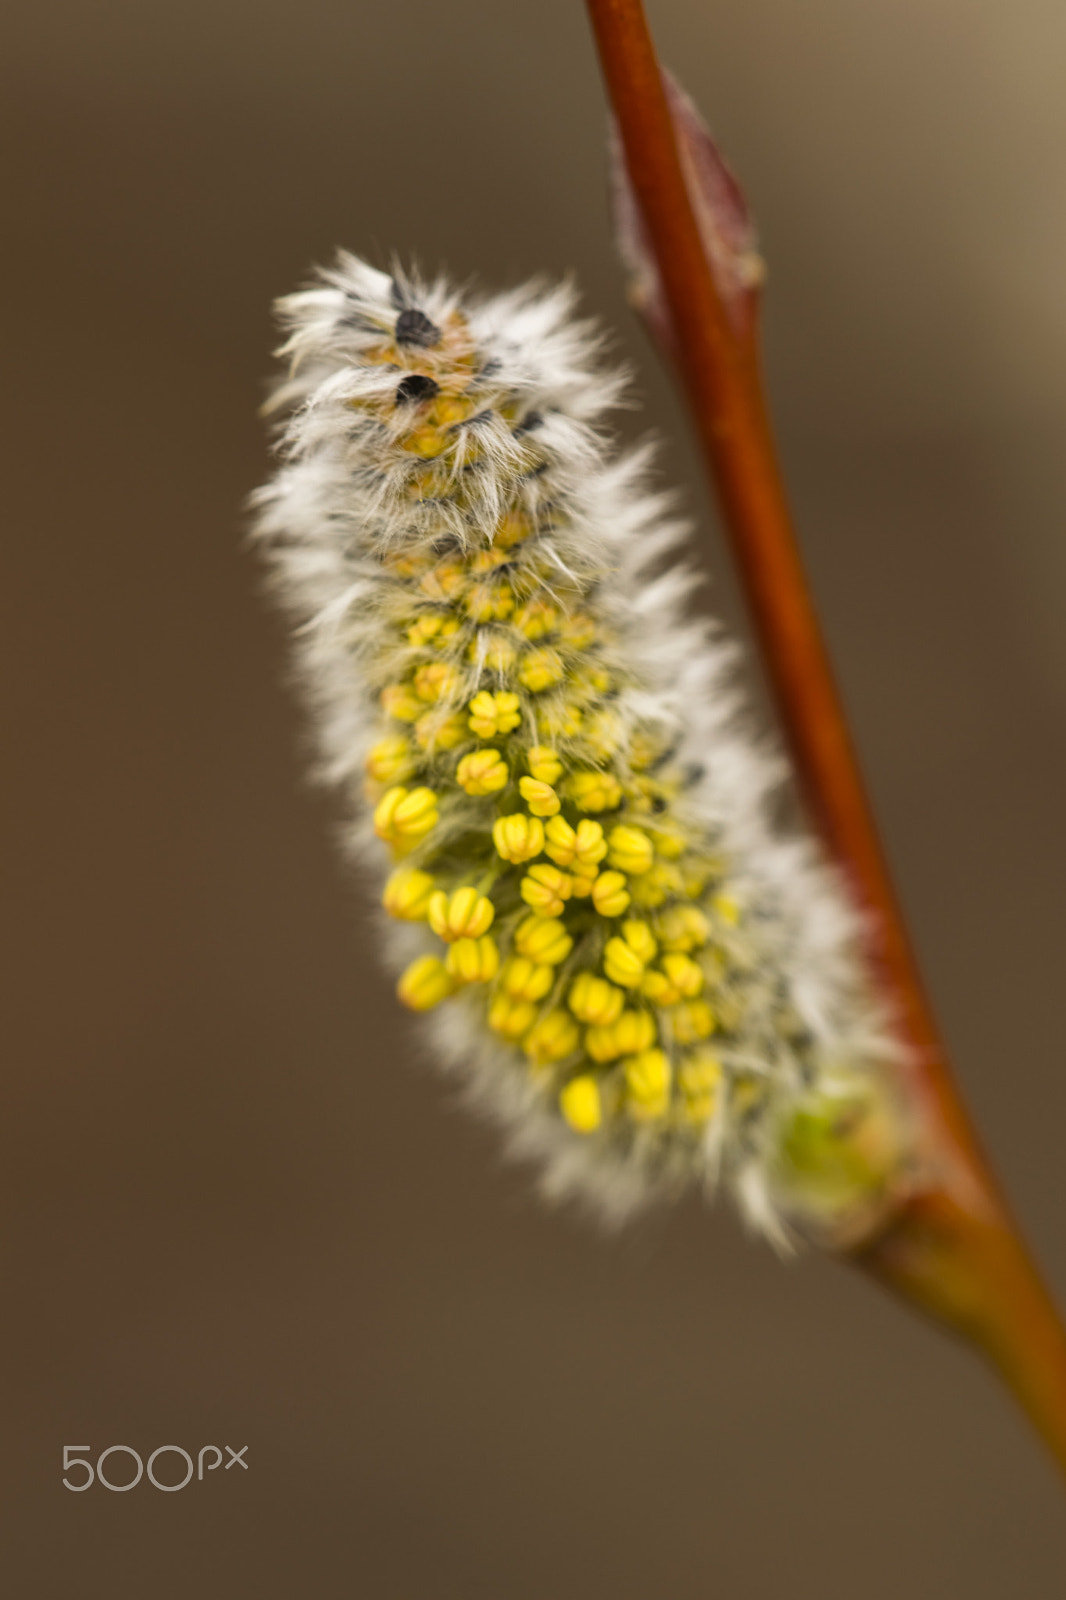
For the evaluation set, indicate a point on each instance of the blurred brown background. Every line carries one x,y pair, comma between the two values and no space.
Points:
238,1210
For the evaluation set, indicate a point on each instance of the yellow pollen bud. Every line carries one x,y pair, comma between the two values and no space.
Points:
727,909
630,850
582,887
435,681
518,837
424,984
540,669
700,1080
492,714
442,730
648,1085
404,816
580,1104
543,763
609,894
511,1018
684,974
595,1001
652,888
683,928
622,964
535,619
390,760
407,895
692,1020
553,1038
578,630
595,791
400,701
473,960
541,798
543,939
638,936
462,915
424,629
482,772
523,979
545,889
489,602
671,846
560,841
492,650
634,1031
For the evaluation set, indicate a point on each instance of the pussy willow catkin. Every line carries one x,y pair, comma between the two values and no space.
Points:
633,971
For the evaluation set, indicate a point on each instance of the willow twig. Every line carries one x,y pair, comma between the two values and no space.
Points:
951,1248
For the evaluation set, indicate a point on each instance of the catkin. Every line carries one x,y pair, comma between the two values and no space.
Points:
540,751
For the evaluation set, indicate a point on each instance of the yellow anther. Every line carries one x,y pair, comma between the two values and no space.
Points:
580,1104
426,442
511,1018
541,798
482,772
594,791
510,530
652,888
630,849
543,939
536,618
609,894
441,730
400,701
545,889
490,602
407,895
692,1020
648,1085
425,984
390,760
404,816
492,650
540,669
518,837
473,960
523,979
727,909
684,973
622,964
492,714
595,1001
543,763
582,847
578,630
444,581
680,979
683,928
436,680
487,560
634,1031
639,937
560,721
699,1078
603,733
582,885
671,846
600,680
462,915
423,630
553,1038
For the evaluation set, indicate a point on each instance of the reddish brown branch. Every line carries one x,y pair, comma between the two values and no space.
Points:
952,1248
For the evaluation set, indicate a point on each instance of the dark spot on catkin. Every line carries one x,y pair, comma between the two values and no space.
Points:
417,386
414,327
